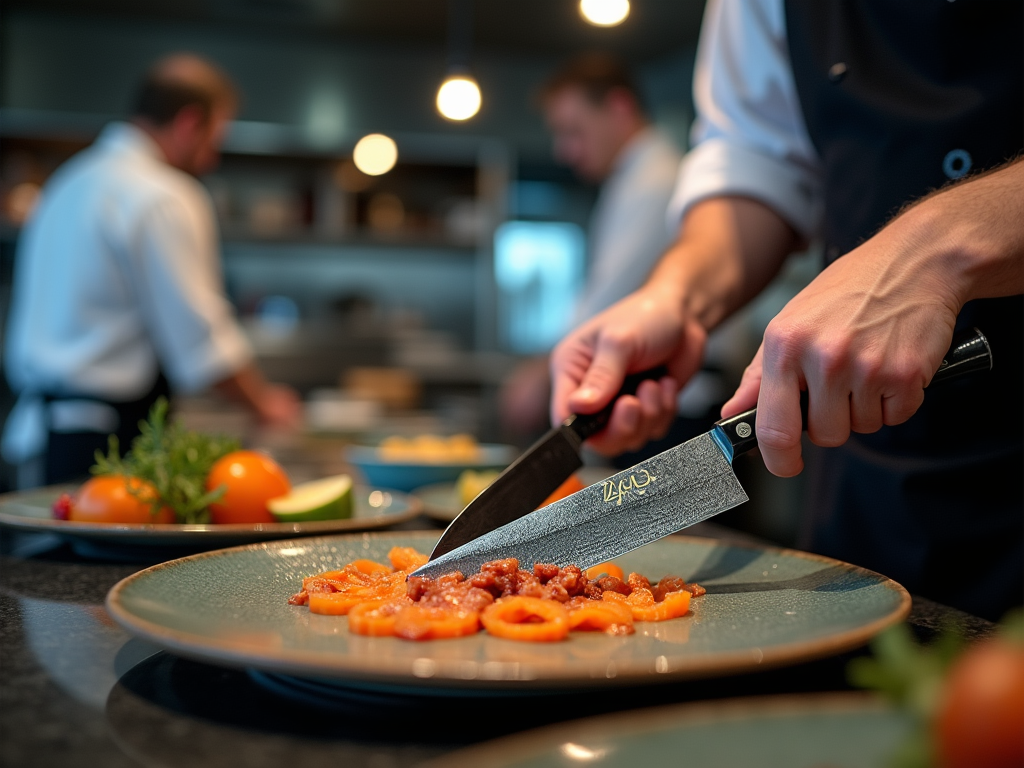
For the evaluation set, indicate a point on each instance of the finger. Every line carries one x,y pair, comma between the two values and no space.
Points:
896,409
668,393
745,396
603,377
622,432
866,410
568,365
779,422
654,420
828,395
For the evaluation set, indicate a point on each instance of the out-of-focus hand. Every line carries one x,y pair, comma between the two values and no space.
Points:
279,405
646,329
867,335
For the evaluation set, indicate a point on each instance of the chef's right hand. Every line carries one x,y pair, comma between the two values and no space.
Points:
279,406
644,330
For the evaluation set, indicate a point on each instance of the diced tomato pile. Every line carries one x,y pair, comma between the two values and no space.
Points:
544,604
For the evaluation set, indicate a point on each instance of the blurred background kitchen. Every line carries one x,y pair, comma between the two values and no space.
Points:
395,266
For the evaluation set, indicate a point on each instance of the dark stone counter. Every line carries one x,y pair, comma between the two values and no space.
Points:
77,690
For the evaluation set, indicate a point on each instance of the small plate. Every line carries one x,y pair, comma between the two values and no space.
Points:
852,730
440,501
765,607
408,475
32,511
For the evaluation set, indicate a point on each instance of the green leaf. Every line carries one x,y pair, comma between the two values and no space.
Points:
174,460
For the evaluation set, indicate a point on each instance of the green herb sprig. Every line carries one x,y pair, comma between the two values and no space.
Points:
174,460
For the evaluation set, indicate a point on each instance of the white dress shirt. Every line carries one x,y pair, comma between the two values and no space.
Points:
749,137
627,230
117,276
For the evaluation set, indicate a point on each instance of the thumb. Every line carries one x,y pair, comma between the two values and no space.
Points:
745,396
603,378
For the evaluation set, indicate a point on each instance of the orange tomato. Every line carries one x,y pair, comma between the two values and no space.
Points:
251,479
110,499
980,720
568,488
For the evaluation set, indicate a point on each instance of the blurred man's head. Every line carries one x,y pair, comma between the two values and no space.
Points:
593,108
185,104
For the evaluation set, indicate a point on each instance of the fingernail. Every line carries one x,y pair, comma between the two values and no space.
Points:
586,393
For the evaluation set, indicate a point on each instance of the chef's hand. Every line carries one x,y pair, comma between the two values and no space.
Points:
279,406
866,336
275,405
728,249
646,329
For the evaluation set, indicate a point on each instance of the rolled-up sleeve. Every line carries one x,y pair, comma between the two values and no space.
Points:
749,137
192,324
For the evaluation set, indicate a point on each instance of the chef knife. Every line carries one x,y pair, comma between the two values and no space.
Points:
533,477
669,492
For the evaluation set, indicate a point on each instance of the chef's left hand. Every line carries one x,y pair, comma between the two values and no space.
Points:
866,336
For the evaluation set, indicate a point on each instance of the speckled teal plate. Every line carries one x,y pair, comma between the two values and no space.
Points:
32,511
764,607
811,731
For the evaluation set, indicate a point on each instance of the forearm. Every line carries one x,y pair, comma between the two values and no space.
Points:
971,235
728,249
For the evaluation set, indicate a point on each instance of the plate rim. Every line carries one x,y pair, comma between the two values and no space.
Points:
530,743
159,533
297,662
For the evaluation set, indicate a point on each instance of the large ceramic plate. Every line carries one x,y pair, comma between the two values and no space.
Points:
31,511
764,607
812,731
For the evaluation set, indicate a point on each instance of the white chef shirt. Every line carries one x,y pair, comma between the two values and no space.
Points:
749,137
117,276
627,230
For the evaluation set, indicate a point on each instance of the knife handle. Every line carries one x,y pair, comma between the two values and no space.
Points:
970,352
588,425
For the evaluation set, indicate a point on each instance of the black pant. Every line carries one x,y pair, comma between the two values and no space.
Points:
69,455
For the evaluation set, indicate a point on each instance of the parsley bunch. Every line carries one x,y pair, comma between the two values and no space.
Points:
174,460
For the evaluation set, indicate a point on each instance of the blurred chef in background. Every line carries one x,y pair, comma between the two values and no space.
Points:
118,296
601,129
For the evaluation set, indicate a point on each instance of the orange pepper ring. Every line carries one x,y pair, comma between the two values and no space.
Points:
510,618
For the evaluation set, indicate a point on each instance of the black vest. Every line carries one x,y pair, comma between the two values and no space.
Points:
900,98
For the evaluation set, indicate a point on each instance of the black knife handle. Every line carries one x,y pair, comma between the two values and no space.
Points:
588,425
970,352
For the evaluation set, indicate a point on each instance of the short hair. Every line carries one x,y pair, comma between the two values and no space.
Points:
596,75
183,80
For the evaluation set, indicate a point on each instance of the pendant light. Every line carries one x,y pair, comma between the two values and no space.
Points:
458,97
604,13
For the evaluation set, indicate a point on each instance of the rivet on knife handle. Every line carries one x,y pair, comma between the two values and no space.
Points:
588,425
969,352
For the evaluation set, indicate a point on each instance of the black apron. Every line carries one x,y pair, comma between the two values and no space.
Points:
69,455
899,98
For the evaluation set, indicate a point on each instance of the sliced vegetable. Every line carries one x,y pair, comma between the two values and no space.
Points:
326,499
526,618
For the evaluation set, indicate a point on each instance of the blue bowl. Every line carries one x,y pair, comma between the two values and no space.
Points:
406,475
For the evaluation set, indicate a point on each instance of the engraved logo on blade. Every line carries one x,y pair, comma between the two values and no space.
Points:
615,491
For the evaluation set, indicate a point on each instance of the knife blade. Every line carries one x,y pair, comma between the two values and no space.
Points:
532,477
664,494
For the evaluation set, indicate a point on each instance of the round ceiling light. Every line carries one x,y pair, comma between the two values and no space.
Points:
458,98
604,13
375,154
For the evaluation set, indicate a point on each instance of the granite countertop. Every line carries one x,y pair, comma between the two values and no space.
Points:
77,690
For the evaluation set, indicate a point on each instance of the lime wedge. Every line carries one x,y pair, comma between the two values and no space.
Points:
327,499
